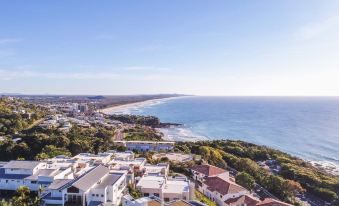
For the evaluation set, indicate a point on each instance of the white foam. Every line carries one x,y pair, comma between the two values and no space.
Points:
134,107
328,166
181,134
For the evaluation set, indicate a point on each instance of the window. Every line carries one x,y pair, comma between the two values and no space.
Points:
156,194
102,195
146,194
93,195
97,195
73,190
166,199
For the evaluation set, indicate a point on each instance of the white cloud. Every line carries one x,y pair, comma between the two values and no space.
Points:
25,74
315,29
152,69
9,40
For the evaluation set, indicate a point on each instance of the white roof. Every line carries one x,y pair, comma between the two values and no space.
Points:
16,164
179,157
151,182
155,168
176,186
89,156
123,155
127,163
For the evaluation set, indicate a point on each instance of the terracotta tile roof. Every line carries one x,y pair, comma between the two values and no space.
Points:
153,203
208,170
244,199
272,202
222,186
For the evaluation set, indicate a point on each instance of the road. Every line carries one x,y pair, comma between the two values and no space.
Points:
36,122
258,189
119,135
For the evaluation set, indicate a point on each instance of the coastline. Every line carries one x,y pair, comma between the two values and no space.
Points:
125,107
185,134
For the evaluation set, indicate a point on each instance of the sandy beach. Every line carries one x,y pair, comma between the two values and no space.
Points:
124,108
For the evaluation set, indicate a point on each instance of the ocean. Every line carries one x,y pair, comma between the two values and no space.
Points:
306,127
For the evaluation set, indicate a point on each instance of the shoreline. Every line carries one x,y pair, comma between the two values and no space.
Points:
122,108
181,133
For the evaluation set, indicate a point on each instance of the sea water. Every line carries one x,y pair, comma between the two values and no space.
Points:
307,127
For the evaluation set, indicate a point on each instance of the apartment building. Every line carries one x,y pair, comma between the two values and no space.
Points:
145,146
96,187
161,169
165,188
32,174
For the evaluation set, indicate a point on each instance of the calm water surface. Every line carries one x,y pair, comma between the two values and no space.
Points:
307,127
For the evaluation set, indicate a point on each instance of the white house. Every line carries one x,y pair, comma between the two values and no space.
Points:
127,155
21,173
159,169
32,174
95,187
145,146
100,158
166,189
135,165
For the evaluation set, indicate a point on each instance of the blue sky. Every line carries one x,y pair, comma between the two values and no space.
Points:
252,47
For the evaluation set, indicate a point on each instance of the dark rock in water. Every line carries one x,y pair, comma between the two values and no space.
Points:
168,125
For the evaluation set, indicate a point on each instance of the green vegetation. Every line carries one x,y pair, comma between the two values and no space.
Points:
143,133
49,143
294,177
202,198
134,192
245,180
16,115
137,119
150,121
22,197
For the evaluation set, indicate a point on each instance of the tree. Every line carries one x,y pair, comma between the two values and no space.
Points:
22,197
121,148
245,180
5,203
136,194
